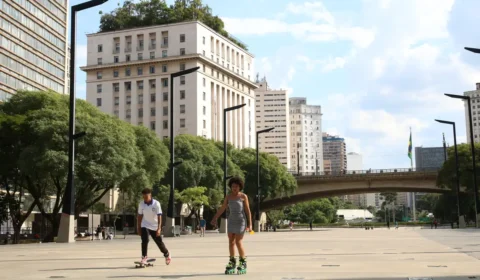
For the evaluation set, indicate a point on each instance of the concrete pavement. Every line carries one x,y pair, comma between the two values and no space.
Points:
320,254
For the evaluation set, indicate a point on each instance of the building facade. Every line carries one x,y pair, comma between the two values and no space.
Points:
272,110
33,46
128,75
306,151
355,164
335,150
429,157
475,110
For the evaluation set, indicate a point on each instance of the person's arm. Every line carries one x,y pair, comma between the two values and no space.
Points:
139,219
220,211
159,216
247,210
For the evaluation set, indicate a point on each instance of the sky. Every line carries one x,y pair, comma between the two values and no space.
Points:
377,67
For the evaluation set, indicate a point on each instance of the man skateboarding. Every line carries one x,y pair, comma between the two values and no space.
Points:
150,223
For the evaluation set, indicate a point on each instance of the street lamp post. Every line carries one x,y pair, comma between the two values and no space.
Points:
257,204
66,231
223,221
170,221
472,146
457,171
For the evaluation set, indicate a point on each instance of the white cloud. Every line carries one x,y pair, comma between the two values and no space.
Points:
327,65
315,10
291,73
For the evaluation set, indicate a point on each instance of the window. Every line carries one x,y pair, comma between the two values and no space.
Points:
127,58
152,69
128,100
140,123
203,53
139,71
99,75
182,94
140,84
165,82
128,86
152,55
204,68
128,114
116,87
204,82
182,109
182,80
164,68
152,97
204,124
140,56
99,88
165,124
115,59
205,96
140,99
127,72
182,122
140,44
165,41
152,125
165,96
204,110
140,112
99,61
100,48
115,73
117,100
116,113
152,84
204,40
152,112
182,51
165,110
182,38
99,102
164,53
182,66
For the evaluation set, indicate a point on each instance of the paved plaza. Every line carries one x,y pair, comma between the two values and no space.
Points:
300,254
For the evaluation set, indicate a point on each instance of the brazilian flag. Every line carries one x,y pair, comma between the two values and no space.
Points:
410,146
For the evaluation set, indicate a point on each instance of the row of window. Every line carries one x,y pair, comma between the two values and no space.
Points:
16,83
239,58
30,73
140,96
19,17
61,14
41,15
33,42
151,70
140,42
4,96
128,58
31,57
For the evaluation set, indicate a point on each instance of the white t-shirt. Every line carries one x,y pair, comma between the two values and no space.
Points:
150,214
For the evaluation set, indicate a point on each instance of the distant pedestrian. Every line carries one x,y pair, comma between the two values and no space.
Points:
203,224
435,223
388,224
311,225
291,225
396,225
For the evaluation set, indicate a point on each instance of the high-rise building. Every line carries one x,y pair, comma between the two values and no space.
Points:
272,111
327,166
429,157
335,150
355,164
305,136
475,109
128,75
33,46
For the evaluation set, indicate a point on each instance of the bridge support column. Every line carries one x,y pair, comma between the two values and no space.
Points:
256,226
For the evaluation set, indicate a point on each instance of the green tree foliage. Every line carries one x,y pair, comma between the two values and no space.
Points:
195,198
156,12
110,155
316,211
389,197
3,208
275,217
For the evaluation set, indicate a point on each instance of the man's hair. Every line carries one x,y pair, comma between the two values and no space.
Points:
236,180
146,191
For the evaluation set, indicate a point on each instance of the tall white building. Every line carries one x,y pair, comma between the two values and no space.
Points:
475,109
272,110
305,136
355,163
128,75
33,46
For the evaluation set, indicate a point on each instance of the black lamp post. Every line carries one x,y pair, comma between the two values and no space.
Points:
66,230
173,164
257,206
223,228
457,176
472,146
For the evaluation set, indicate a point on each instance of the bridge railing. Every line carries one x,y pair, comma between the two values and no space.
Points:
338,173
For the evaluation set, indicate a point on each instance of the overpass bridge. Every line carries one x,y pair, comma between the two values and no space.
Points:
312,186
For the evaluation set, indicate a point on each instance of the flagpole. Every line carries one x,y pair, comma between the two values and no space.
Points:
414,199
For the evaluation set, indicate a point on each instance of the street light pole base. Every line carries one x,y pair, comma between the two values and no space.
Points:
169,230
223,225
66,231
256,226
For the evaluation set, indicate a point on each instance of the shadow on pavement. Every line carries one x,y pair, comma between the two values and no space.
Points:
166,276
403,278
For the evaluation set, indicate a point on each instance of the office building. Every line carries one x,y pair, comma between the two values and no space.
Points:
327,166
272,111
128,75
33,46
335,150
429,157
475,110
305,136
355,164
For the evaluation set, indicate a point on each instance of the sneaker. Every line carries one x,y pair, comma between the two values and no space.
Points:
168,259
144,260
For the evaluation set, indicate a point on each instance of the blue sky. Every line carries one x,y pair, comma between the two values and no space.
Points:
377,67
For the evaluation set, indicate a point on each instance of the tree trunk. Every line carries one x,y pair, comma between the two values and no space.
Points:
16,233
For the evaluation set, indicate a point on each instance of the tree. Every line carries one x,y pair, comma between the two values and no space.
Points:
275,217
195,198
3,208
316,211
156,12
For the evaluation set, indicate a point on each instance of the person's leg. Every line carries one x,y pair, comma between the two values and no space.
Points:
231,244
158,240
145,240
239,244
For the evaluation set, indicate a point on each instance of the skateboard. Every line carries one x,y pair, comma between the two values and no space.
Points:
149,263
